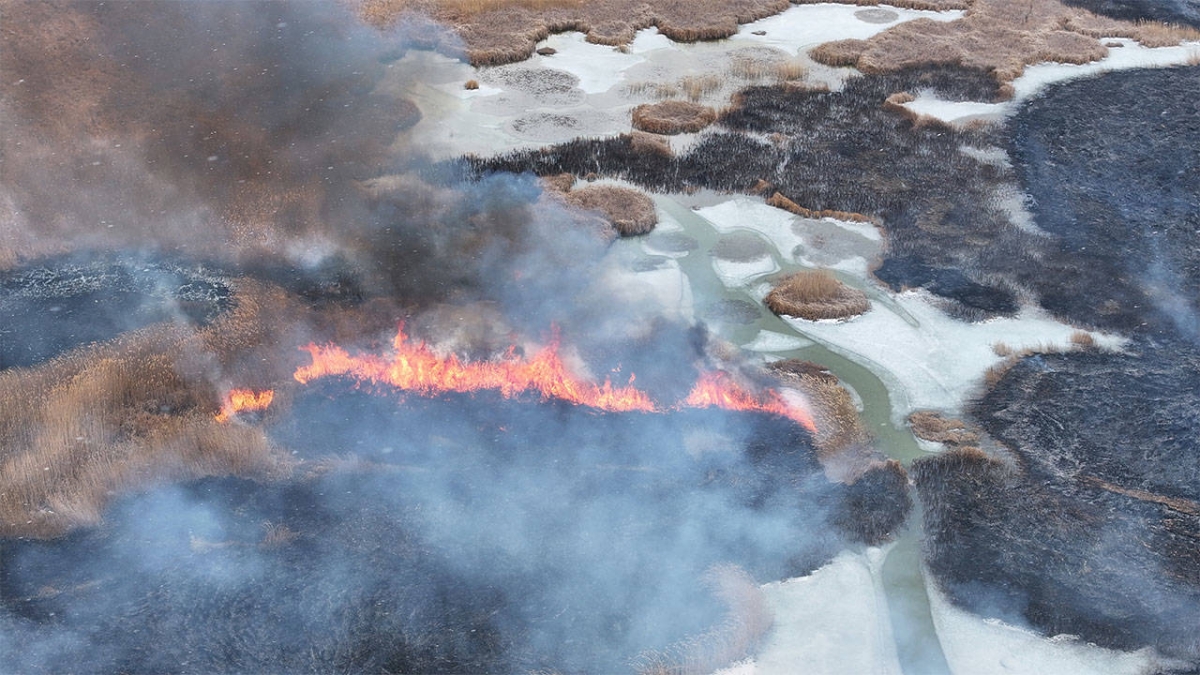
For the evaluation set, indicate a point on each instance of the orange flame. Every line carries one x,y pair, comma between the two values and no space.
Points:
243,400
718,389
415,367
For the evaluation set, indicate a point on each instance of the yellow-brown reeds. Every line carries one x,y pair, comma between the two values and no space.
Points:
816,295
628,211
780,202
998,36
932,426
672,117
696,86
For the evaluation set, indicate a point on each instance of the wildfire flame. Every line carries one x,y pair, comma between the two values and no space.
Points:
718,389
243,400
416,367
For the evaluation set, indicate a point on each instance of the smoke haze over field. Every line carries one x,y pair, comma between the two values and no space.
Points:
265,141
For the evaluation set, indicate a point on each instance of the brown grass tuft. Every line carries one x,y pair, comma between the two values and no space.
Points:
696,86
839,53
471,85
652,89
1083,339
643,142
931,426
628,211
672,117
780,202
561,182
843,443
816,295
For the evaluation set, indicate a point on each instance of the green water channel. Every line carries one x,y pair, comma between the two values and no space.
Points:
917,644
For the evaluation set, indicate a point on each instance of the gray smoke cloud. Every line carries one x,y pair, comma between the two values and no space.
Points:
452,535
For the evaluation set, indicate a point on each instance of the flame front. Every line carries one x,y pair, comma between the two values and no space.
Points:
243,400
417,368
718,389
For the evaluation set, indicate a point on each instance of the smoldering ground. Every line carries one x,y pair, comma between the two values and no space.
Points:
254,145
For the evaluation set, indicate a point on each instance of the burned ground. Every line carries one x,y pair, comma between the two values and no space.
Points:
1095,530
947,231
62,303
1061,555
1167,11
425,555
844,151
1124,208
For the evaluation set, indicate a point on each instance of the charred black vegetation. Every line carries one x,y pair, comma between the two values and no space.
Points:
61,303
1124,208
845,151
1168,11
1095,529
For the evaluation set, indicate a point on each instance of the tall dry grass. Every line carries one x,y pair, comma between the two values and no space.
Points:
133,412
504,31
778,72
997,36
628,211
932,426
816,295
672,117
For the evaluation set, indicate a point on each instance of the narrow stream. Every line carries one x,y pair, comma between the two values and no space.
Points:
917,645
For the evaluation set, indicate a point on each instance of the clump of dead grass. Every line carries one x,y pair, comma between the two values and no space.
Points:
628,211
642,142
930,425
816,295
650,89
757,70
780,202
672,117
696,86
842,442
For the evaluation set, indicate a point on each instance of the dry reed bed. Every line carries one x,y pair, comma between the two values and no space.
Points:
137,411
816,295
780,202
843,443
998,36
505,31
628,211
672,117
930,425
